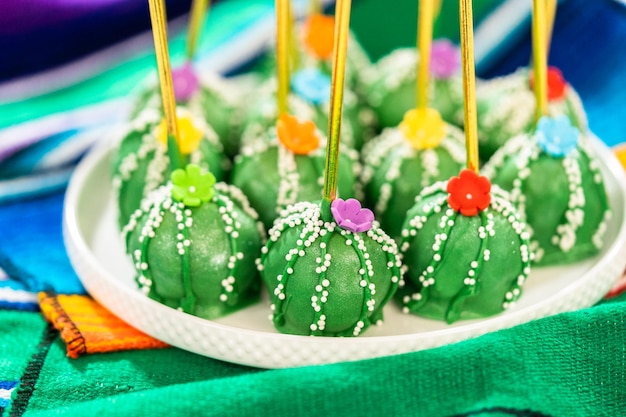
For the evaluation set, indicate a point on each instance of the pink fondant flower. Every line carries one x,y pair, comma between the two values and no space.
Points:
186,82
469,193
445,59
350,216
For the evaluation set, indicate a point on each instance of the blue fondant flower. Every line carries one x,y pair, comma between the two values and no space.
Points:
350,216
191,186
312,85
556,135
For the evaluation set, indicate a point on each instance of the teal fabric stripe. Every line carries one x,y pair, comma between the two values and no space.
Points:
226,22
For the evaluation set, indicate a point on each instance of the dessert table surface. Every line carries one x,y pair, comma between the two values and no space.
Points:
569,364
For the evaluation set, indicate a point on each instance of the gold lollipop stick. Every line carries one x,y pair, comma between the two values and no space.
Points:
282,54
340,48
159,32
199,11
550,16
469,83
315,6
540,58
294,54
424,42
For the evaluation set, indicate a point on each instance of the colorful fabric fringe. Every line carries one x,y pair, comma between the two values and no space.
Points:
87,327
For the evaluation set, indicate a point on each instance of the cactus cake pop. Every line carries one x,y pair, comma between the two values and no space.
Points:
402,161
507,105
329,268
308,100
553,175
423,149
206,93
465,248
141,162
391,84
194,245
285,164
554,178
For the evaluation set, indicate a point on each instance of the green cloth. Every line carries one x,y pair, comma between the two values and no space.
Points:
571,364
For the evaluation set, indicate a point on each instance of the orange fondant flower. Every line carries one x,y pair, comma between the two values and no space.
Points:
469,193
318,37
299,137
423,128
556,83
189,135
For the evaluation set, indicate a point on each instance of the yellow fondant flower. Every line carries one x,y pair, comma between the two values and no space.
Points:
189,134
423,128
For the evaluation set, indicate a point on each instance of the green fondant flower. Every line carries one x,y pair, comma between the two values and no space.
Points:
191,186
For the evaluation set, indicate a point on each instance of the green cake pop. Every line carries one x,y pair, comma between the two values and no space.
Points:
141,162
554,178
466,250
329,269
206,93
391,84
506,107
553,175
423,149
194,245
324,279
464,261
285,165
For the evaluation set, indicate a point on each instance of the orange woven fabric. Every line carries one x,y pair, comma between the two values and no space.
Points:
87,327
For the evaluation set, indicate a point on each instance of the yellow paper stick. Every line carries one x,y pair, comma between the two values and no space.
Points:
315,6
540,58
282,54
199,11
159,32
469,83
425,19
550,16
340,48
294,55
437,8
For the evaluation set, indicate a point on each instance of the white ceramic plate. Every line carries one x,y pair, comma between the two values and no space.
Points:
248,337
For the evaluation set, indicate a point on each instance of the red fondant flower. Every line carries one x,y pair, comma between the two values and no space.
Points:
299,137
318,37
556,83
469,193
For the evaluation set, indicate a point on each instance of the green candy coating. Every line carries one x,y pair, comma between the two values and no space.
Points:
462,267
391,90
141,163
326,281
273,177
505,108
197,259
563,200
394,172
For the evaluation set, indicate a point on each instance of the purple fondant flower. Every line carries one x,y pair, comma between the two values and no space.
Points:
350,216
556,135
445,59
186,82
312,85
